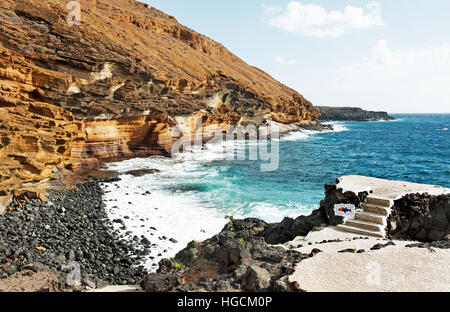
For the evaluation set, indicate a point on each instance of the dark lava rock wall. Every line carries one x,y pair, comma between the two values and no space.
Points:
421,217
334,196
236,259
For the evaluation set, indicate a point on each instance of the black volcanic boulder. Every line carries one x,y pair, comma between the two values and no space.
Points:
421,217
256,279
238,258
288,229
142,172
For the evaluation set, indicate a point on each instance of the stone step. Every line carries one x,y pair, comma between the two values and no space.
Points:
383,202
365,225
359,231
370,217
384,211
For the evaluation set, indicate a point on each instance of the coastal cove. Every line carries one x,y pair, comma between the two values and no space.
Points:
188,198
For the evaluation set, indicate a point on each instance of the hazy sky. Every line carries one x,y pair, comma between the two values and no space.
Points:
390,55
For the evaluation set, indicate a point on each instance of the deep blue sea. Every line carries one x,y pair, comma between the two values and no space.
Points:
190,197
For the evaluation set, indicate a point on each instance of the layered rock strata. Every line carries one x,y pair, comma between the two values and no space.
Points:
116,84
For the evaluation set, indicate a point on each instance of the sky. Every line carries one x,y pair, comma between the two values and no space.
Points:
385,55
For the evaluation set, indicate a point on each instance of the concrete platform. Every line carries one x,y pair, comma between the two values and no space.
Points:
372,218
391,269
386,188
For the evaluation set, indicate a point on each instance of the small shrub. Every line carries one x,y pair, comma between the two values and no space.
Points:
39,49
10,13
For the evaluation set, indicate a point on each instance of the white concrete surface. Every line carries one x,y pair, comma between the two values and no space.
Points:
391,269
386,188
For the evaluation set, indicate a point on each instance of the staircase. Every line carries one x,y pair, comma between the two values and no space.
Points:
371,220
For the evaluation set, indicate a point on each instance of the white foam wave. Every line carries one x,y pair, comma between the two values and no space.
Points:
337,126
270,212
171,212
296,136
160,216
307,134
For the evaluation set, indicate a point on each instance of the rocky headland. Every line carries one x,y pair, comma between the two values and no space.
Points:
329,113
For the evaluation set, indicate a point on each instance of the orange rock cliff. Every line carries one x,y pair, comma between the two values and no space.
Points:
115,86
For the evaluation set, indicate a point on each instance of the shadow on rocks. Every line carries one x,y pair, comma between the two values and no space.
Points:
238,258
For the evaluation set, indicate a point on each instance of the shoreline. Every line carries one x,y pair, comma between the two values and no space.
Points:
246,255
245,262
72,226
47,251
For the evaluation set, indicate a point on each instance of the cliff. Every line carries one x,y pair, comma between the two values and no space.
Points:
350,114
115,86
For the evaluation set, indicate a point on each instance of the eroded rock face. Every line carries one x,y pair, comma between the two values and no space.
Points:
115,85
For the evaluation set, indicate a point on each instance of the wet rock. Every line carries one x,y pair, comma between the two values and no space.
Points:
142,172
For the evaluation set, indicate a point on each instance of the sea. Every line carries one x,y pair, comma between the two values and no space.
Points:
194,194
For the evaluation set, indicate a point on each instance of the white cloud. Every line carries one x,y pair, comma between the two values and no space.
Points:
271,9
383,61
281,60
314,21
415,80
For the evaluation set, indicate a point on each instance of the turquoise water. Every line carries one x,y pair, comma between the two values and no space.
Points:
192,194
414,148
